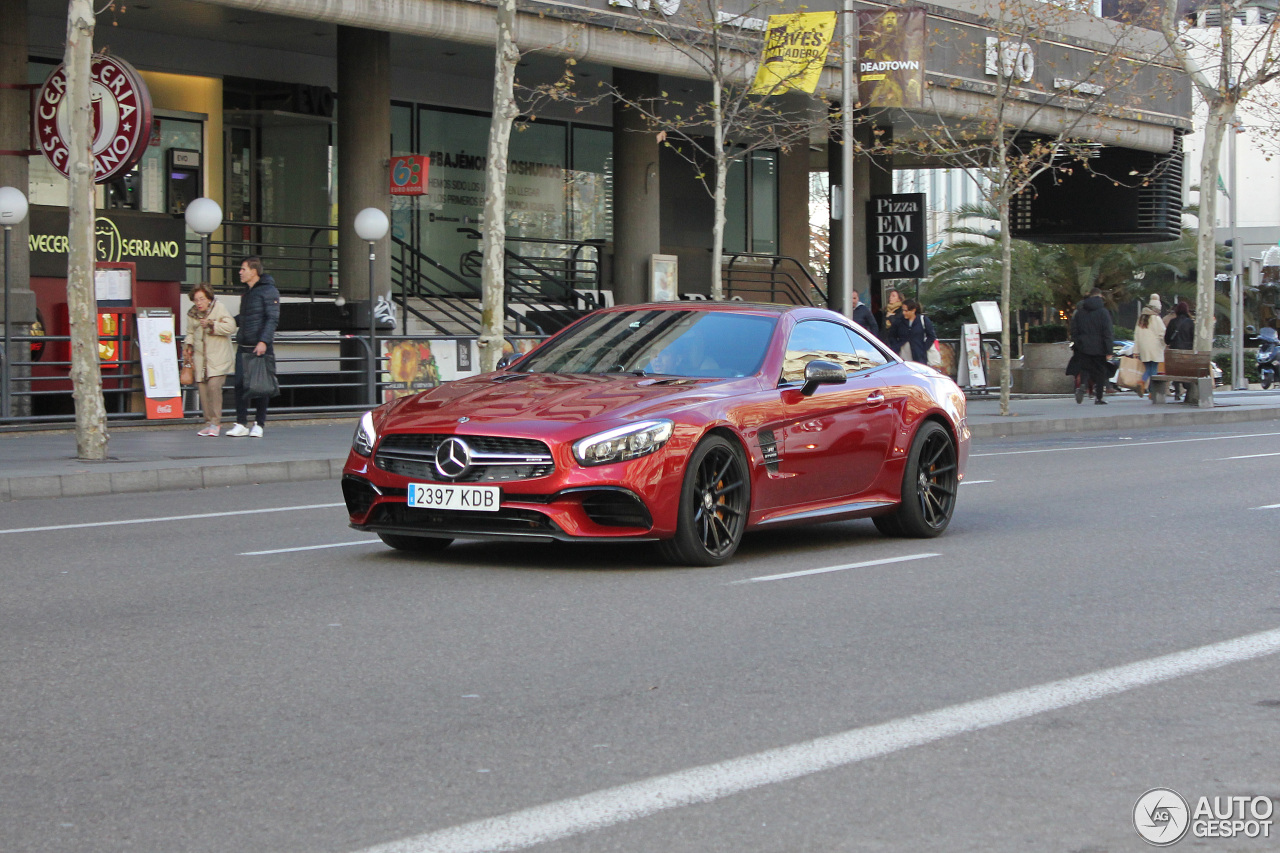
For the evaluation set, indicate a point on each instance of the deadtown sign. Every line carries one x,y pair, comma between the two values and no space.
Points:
121,118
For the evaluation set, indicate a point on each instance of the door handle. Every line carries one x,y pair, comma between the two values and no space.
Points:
875,398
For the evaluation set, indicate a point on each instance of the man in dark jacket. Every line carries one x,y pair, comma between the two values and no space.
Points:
861,313
911,327
259,315
1091,343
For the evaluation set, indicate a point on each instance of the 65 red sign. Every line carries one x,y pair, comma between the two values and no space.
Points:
409,175
121,118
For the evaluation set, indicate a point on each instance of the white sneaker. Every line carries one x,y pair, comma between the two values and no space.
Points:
255,431
238,431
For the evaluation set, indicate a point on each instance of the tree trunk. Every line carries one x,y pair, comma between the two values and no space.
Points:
722,170
86,372
1006,293
1206,227
493,274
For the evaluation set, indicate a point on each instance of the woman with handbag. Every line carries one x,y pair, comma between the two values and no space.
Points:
208,348
1148,345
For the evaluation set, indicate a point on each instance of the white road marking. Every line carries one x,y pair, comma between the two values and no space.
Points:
1129,444
843,568
974,482
309,548
709,782
168,518
1268,506
1250,456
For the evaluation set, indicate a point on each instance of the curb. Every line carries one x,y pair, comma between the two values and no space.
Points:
1225,415
91,483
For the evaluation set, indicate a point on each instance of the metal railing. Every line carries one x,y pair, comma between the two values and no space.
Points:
319,372
771,278
307,263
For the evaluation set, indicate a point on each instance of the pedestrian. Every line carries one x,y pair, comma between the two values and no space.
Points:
892,308
1148,344
259,315
860,313
912,329
1155,304
1180,334
208,348
1091,343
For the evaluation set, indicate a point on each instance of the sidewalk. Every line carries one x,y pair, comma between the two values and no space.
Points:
149,458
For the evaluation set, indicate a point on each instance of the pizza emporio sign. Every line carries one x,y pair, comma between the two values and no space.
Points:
121,118
895,236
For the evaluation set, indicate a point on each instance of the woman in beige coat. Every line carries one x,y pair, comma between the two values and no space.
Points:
1148,344
208,345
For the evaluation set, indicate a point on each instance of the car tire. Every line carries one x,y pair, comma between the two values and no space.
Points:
929,487
418,544
714,502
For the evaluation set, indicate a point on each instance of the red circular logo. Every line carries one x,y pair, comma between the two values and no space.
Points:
121,118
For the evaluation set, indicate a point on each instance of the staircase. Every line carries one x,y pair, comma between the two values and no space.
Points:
544,291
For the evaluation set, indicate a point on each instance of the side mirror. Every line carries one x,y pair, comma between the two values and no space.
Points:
508,359
820,372
1250,330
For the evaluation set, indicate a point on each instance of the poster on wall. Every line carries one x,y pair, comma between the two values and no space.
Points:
413,365
159,354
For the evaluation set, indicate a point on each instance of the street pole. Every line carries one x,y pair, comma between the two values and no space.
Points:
1237,284
5,399
373,334
846,159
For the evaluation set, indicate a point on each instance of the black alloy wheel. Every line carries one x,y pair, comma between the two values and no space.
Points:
929,487
714,502
416,544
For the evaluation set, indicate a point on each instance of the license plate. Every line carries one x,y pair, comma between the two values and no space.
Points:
437,496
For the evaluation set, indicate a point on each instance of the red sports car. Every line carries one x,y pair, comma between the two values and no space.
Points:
682,423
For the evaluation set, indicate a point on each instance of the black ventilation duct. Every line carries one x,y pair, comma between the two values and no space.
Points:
1118,196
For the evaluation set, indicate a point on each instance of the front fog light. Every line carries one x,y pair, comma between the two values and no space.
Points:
364,439
625,442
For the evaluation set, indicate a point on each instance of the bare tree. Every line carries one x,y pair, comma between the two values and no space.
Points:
740,114
86,372
493,243
1230,54
1018,127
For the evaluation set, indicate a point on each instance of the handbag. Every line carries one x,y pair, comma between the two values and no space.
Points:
187,373
934,355
1130,373
260,375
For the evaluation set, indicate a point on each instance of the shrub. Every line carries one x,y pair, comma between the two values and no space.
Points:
1050,333
1223,360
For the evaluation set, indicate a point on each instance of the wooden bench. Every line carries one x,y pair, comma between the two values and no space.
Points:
1189,367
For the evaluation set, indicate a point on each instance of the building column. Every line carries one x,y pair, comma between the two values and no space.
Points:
364,152
793,203
15,136
636,199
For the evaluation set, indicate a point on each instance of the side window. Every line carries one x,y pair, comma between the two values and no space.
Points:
869,354
817,339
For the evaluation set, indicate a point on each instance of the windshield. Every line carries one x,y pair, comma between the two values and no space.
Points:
700,344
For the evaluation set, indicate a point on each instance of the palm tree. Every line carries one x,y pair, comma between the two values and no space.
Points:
1057,276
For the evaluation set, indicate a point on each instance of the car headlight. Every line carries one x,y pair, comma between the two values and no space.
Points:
366,436
622,443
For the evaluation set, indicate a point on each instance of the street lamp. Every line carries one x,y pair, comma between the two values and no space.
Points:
13,209
371,226
204,216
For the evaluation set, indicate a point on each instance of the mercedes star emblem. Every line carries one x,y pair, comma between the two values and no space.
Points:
453,458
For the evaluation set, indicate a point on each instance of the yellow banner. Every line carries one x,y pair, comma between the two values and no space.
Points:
795,51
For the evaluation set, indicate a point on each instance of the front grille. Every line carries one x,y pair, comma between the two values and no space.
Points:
430,520
495,459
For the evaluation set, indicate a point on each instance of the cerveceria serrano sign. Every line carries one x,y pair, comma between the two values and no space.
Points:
121,118
154,241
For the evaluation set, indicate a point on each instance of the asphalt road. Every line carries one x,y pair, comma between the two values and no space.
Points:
273,681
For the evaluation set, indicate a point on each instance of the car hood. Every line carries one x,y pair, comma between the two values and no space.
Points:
550,397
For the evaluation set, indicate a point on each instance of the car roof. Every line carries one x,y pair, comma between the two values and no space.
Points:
708,305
